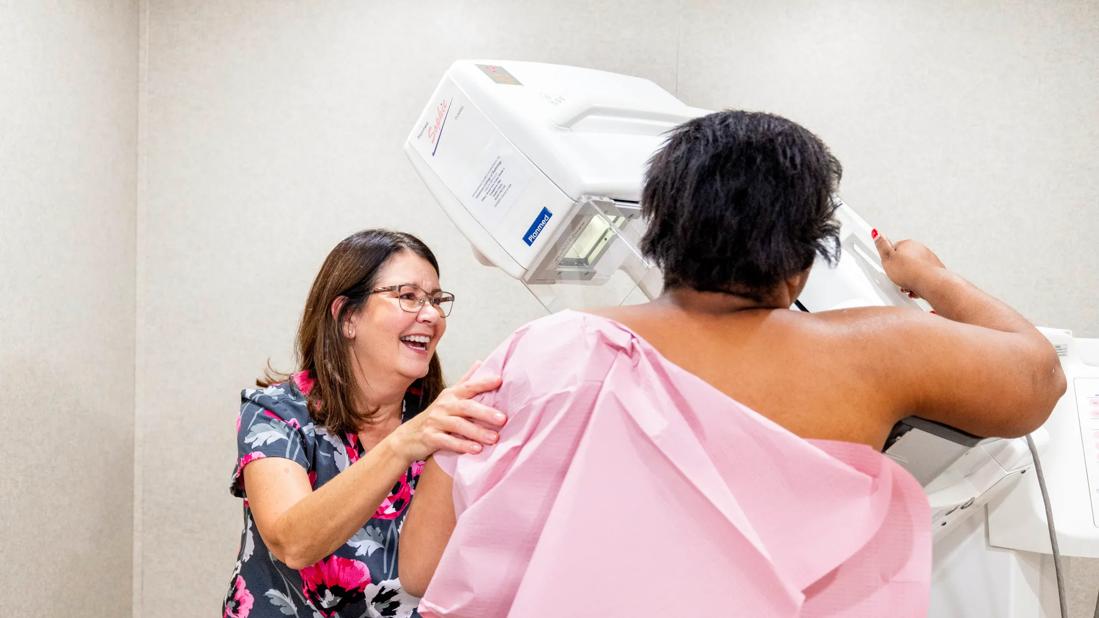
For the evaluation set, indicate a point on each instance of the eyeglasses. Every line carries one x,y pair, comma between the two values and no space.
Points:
412,298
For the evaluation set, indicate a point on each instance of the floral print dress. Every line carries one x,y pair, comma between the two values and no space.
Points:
359,580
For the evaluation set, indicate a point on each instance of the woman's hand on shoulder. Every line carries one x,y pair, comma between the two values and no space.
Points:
453,422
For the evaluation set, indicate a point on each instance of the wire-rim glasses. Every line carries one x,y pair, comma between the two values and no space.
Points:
412,298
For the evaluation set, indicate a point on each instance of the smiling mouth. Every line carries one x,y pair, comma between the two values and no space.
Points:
416,342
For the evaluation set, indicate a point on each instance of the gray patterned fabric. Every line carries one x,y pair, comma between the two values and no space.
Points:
359,580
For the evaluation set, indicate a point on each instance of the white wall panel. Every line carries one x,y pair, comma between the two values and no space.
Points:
68,177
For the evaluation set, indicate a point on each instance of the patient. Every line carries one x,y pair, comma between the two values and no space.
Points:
713,452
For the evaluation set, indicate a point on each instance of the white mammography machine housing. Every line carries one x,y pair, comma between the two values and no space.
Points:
540,167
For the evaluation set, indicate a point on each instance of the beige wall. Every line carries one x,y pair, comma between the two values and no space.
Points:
68,159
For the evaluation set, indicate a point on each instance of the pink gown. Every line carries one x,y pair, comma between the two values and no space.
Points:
623,485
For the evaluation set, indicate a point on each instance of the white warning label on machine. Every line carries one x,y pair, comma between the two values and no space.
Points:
494,185
485,171
1087,406
500,179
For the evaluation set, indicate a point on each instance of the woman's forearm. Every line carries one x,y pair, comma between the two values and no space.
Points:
954,298
326,518
911,265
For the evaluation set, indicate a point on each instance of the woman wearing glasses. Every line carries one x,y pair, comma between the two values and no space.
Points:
329,455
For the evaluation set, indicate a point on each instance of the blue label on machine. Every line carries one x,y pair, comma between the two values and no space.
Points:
536,228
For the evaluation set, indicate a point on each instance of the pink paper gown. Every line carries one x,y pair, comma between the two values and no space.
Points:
623,485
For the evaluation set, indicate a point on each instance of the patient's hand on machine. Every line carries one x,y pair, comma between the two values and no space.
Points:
908,263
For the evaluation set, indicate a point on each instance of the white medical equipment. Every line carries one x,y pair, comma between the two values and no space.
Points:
540,167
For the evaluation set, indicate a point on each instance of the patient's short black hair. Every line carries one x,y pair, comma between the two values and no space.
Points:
739,201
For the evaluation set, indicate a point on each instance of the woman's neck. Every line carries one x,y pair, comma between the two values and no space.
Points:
715,303
386,408
387,399
378,394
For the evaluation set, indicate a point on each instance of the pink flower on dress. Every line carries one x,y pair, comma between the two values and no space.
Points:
334,583
247,459
304,381
238,474
239,605
397,500
291,422
352,447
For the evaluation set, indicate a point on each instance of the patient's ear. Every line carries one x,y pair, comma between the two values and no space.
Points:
796,283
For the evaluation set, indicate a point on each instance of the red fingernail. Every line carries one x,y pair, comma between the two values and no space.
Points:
874,233
933,312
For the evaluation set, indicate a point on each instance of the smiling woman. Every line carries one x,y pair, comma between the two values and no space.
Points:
329,455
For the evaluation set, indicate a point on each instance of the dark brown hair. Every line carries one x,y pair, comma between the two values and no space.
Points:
350,270
738,201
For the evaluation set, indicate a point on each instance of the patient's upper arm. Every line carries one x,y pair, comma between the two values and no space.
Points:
981,380
426,530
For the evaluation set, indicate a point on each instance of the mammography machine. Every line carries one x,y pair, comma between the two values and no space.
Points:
540,167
